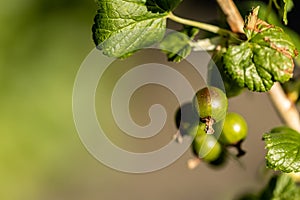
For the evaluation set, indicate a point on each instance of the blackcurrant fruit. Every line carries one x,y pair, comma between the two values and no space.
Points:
210,103
234,130
197,130
207,148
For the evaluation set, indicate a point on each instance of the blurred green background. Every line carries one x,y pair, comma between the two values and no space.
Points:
42,44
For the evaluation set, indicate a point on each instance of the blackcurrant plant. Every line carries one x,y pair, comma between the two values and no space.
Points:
258,54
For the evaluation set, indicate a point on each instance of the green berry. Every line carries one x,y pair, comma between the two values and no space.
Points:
211,103
197,130
207,148
234,130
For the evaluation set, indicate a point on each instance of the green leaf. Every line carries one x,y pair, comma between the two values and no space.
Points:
125,26
283,146
162,5
216,66
266,57
286,189
273,18
177,44
280,187
190,31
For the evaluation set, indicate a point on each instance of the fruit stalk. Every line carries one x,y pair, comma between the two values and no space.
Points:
284,107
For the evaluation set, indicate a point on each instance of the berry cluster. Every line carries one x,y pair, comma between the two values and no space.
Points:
213,129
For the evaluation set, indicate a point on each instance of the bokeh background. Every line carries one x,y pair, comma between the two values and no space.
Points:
42,44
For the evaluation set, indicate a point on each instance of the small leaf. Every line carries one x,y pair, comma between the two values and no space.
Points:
124,26
177,44
162,5
190,31
266,57
283,146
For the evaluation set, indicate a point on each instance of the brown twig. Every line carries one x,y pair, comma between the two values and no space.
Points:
233,16
286,108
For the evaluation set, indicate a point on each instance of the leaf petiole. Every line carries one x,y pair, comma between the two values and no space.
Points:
204,26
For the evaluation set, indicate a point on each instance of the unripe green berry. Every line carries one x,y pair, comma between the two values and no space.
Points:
234,130
207,148
197,129
211,102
